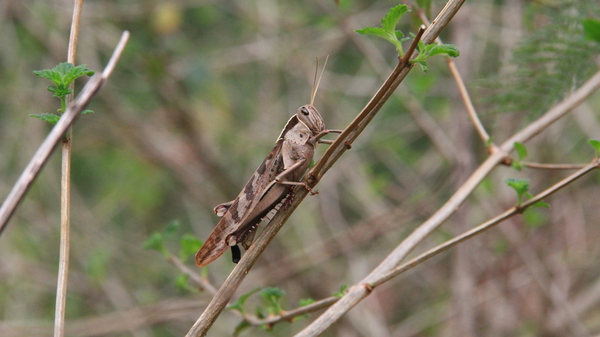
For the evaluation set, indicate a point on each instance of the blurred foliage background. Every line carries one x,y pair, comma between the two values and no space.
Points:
197,101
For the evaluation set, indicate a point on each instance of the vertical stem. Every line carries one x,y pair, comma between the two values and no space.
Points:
65,191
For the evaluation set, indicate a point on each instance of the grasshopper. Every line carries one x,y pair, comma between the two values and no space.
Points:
282,169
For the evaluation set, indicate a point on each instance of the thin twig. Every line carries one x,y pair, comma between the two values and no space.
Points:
65,191
45,150
464,93
200,281
486,225
543,166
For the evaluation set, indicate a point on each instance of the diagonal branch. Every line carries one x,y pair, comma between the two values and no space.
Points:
358,292
45,150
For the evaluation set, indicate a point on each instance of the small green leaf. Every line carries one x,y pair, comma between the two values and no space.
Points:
521,186
172,227
47,117
85,112
389,22
521,150
239,304
62,75
156,242
375,31
306,301
388,31
423,65
340,293
189,246
182,282
273,295
596,145
241,327
444,49
539,204
591,29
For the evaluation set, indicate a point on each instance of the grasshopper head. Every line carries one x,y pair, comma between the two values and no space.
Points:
311,118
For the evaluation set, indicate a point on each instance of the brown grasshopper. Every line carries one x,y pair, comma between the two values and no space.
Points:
269,185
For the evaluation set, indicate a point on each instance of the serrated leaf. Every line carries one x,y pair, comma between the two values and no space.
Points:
273,295
375,31
50,74
87,111
389,22
444,49
47,117
596,145
591,29
400,35
521,150
62,75
189,246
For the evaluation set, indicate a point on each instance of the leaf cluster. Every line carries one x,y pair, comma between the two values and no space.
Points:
62,76
388,32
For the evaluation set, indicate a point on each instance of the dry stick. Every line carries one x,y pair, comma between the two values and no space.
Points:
342,142
464,93
486,225
356,293
65,192
542,166
43,153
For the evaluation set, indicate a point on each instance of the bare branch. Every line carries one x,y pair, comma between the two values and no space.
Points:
43,153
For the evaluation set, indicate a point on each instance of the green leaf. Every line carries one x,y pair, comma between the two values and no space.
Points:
85,112
62,75
375,31
239,304
306,301
423,65
47,117
521,186
156,242
189,246
182,282
388,31
273,295
241,327
591,29
539,204
521,150
340,293
444,49
596,145
172,227
389,22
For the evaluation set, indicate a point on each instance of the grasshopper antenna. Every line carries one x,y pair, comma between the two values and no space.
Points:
316,81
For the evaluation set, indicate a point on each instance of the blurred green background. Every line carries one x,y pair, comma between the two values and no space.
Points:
198,99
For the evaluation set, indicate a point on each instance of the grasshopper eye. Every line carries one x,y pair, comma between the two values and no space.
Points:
304,111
